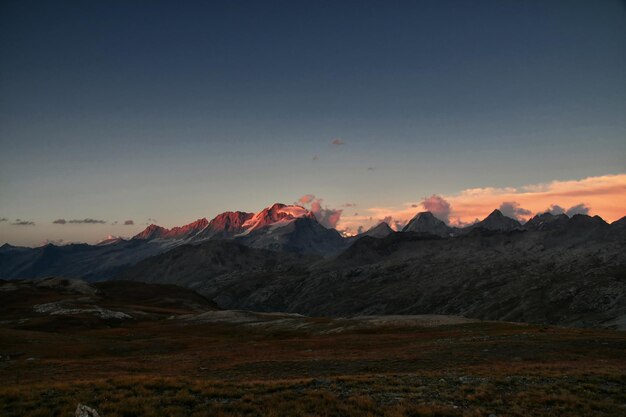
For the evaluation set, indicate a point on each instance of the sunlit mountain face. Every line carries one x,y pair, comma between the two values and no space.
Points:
230,224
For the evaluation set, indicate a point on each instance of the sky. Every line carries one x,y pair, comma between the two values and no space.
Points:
137,112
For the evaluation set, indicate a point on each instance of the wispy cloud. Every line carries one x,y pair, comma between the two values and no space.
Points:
128,222
3,219
337,142
79,221
20,222
87,221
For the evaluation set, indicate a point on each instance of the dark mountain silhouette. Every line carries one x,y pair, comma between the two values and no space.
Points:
378,231
497,221
426,222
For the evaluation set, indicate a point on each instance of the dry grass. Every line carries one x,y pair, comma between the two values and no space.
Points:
165,369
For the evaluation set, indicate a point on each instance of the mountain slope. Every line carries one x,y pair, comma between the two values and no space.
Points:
212,266
573,276
224,225
90,262
179,232
302,235
276,216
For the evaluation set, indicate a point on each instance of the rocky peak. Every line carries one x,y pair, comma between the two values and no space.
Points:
186,230
378,231
151,232
426,222
230,220
180,232
225,225
499,222
276,214
546,221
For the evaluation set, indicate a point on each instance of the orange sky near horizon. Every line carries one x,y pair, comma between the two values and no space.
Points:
604,195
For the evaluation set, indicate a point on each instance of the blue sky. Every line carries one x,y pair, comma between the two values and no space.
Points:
178,110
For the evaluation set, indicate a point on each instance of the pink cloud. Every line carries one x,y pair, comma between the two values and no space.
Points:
438,206
327,217
306,199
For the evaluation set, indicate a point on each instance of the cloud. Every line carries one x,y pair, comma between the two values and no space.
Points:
513,210
371,168
349,205
306,199
580,208
555,209
395,224
128,222
112,237
316,157
388,220
87,221
151,220
79,221
327,217
3,219
20,222
438,206
457,222
337,142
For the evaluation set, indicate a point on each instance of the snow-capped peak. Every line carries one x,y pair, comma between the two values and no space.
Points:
278,214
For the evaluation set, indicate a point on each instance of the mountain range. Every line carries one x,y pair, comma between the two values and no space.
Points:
552,269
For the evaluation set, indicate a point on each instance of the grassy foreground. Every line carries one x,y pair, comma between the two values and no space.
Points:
165,368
